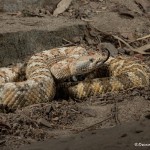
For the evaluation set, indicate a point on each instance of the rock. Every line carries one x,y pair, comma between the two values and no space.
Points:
135,93
113,51
121,50
55,119
88,112
2,142
30,35
48,109
44,122
19,5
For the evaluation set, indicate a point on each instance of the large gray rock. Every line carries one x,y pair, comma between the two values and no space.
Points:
21,37
18,5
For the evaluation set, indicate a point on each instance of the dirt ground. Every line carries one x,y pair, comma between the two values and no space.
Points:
66,117
129,136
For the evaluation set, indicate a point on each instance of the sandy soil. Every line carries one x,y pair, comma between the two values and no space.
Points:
65,117
129,136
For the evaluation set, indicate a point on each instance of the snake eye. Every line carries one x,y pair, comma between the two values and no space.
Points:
91,59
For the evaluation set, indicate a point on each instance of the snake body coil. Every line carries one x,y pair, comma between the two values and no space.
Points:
123,74
41,72
49,67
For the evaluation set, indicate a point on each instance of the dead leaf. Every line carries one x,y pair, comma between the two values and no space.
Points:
94,5
61,7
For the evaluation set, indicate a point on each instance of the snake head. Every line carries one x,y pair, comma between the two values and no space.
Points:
87,64
98,60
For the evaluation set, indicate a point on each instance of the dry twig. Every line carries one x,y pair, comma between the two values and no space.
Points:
115,112
142,38
141,50
93,125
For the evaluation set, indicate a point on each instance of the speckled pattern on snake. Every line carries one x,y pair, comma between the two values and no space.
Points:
42,70
49,67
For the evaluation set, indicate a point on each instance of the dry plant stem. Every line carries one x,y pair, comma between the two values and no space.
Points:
67,45
119,44
144,48
98,123
69,42
86,20
142,38
118,38
140,50
115,112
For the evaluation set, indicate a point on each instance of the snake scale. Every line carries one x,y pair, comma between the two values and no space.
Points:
49,67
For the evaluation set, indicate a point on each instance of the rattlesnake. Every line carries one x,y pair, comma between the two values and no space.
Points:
42,71
51,67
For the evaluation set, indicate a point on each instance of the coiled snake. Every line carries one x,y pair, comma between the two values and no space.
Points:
49,67
42,70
